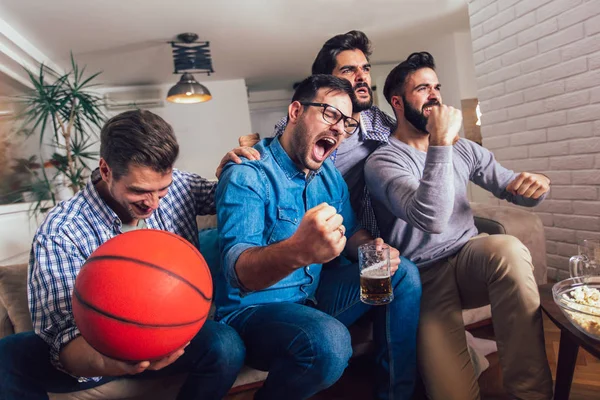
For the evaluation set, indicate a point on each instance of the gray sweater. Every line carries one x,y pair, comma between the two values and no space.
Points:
420,198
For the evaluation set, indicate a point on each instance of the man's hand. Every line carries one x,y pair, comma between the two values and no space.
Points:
394,255
529,185
443,125
114,367
81,359
233,155
320,236
249,140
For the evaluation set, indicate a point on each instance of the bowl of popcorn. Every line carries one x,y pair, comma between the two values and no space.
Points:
579,300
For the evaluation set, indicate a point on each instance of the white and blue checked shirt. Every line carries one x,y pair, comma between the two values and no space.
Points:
376,126
76,227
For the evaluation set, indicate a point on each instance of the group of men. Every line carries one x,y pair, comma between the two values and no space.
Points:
288,284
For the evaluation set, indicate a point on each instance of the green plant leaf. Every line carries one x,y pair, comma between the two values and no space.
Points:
60,106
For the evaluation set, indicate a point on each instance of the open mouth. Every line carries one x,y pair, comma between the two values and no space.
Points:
323,147
142,210
427,108
361,89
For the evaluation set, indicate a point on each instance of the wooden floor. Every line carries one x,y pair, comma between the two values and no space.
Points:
586,382
356,382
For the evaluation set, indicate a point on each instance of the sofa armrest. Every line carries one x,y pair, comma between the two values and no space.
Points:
519,222
13,296
489,226
6,326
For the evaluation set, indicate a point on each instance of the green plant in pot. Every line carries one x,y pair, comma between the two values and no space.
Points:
67,116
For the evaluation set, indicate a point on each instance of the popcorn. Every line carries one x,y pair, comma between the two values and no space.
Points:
587,300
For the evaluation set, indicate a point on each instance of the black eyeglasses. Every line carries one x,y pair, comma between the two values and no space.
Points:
332,116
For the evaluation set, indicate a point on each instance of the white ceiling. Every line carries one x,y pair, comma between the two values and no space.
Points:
270,43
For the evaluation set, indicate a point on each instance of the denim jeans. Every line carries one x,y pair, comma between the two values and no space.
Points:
213,359
306,348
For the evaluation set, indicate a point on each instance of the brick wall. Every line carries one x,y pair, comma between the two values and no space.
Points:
537,64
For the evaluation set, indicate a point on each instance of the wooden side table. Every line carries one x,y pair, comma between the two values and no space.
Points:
570,341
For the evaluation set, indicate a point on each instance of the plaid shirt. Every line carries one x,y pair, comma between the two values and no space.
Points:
75,228
375,125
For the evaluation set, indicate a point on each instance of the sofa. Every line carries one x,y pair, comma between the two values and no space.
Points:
493,219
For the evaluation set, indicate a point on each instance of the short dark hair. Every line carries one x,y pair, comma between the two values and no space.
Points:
394,83
138,137
308,88
325,62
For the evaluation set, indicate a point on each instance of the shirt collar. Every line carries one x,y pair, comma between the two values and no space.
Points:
376,125
91,193
284,161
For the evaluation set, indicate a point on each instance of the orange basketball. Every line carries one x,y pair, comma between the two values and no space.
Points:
142,295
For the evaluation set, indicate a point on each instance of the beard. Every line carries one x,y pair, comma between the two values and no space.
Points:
358,105
416,117
303,149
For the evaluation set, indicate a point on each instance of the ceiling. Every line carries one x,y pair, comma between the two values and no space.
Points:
269,43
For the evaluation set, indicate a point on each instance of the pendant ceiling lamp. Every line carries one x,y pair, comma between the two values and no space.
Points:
190,56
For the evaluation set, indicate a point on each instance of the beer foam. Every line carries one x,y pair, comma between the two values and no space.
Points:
376,270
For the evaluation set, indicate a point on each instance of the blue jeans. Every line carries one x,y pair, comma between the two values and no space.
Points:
306,348
212,359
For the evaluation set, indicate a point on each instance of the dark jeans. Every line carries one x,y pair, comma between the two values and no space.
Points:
306,349
212,359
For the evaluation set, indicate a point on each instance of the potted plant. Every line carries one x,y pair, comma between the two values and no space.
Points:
67,113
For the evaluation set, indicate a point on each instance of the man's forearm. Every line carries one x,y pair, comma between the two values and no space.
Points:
79,359
260,267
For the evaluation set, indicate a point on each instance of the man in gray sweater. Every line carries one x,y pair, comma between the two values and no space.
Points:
418,183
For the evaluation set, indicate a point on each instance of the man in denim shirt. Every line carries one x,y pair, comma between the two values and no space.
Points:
280,219
347,56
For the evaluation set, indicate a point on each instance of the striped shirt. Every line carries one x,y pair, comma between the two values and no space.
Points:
76,227
377,126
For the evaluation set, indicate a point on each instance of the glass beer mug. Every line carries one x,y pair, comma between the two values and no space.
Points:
587,263
375,274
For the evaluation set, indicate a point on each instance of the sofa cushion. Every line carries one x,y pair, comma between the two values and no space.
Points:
131,389
13,295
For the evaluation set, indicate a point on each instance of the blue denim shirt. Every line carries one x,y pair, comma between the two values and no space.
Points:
260,203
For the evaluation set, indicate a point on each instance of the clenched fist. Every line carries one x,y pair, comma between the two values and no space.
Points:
321,236
529,185
443,125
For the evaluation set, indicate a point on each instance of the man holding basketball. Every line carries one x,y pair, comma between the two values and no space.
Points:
134,187
280,219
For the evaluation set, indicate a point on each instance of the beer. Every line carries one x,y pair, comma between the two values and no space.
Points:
376,285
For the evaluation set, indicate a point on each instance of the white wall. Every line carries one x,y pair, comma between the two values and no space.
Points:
538,78
465,66
267,108
17,226
206,131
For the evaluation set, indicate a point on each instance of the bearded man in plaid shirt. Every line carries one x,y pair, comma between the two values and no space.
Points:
135,187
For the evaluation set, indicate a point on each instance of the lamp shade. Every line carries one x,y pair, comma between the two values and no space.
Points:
188,91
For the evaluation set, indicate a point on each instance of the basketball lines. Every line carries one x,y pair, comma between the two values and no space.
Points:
148,264
128,321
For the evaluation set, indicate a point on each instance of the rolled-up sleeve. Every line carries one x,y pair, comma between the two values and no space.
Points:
240,199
